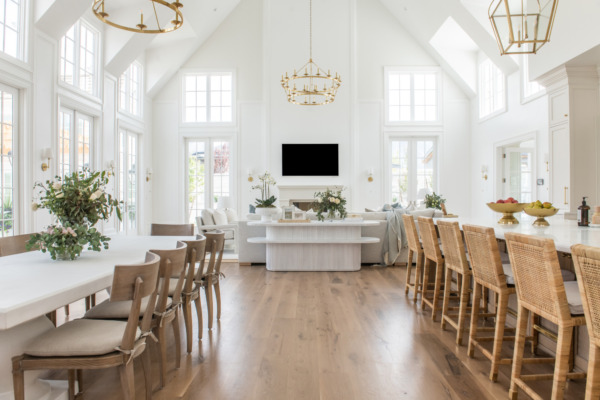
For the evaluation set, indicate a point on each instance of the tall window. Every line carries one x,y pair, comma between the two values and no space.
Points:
12,27
79,55
530,89
412,96
74,141
413,169
130,89
128,180
208,97
208,172
491,89
8,178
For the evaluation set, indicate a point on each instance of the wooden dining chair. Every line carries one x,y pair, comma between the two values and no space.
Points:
433,254
172,264
209,274
191,290
414,247
455,258
94,344
172,230
586,260
541,290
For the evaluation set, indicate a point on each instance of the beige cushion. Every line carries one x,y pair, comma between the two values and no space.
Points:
207,217
79,338
231,215
574,298
219,217
116,309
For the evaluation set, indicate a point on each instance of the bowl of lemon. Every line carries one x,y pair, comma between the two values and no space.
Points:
541,211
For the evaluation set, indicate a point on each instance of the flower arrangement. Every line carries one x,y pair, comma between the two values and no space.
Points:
77,201
266,199
330,202
434,201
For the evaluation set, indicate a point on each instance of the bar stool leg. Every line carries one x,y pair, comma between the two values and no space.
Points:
517,364
592,389
408,270
462,312
426,268
439,271
474,318
445,304
418,277
563,349
498,335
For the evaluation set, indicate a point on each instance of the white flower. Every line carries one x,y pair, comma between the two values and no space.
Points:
337,201
319,200
34,206
60,195
96,194
57,185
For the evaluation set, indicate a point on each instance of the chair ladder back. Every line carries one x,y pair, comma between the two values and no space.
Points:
586,260
412,235
177,259
538,279
484,255
429,236
172,230
10,245
215,242
195,249
455,256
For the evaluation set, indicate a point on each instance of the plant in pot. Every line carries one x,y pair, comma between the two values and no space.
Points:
265,206
330,203
77,202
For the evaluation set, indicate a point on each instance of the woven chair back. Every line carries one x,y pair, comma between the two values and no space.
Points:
484,256
455,256
538,279
172,230
586,260
412,235
429,237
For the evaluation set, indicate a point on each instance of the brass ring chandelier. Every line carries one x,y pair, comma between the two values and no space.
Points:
99,9
312,86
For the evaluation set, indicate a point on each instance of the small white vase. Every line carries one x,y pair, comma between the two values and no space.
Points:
266,213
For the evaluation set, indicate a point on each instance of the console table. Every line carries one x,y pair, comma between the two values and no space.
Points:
313,246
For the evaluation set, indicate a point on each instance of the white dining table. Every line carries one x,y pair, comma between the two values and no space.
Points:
32,285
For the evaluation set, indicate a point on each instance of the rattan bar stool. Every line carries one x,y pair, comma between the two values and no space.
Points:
414,247
455,261
586,260
541,290
433,254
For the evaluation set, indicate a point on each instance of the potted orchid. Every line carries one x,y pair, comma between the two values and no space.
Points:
77,202
265,206
331,203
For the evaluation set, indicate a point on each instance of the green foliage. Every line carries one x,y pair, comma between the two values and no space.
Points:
266,199
329,202
270,202
434,201
78,202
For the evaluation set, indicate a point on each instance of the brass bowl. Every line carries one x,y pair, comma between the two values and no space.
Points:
507,210
540,213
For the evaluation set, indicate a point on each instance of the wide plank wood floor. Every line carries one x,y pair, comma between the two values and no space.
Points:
321,335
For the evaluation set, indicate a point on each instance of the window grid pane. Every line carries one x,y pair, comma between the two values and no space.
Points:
64,143
412,169
208,98
412,96
196,178
79,57
7,218
10,28
491,88
220,176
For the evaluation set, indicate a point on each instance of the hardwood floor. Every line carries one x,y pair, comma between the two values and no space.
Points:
321,335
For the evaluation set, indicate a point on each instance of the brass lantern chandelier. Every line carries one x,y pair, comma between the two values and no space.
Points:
311,85
101,8
522,26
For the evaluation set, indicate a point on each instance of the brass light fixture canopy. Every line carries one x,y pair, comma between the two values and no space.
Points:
311,86
522,26
99,8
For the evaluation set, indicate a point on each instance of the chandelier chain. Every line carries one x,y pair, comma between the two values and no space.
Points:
310,28
156,16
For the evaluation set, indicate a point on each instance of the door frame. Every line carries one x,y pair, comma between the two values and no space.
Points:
498,160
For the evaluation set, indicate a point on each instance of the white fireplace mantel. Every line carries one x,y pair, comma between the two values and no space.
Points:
304,192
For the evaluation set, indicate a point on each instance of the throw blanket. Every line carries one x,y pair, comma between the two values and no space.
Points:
394,235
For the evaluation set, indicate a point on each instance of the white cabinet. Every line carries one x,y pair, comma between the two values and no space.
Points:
558,107
560,167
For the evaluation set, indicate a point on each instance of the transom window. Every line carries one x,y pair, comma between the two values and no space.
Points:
413,169
209,174
208,97
11,27
74,141
130,89
8,166
491,89
412,96
79,55
128,180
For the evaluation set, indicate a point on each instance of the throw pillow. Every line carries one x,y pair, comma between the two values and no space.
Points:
386,207
251,209
220,217
369,210
396,205
207,217
231,215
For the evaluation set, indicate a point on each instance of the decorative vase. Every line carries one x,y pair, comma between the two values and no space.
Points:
266,213
332,215
65,256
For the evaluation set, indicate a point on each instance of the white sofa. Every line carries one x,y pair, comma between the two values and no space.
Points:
224,220
251,253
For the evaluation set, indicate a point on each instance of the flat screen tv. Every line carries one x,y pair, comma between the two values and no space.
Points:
309,159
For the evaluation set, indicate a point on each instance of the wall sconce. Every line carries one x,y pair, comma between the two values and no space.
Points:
370,174
110,167
484,171
46,155
148,174
250,177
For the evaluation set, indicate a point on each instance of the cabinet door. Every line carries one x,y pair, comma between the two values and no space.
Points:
560,167
558,107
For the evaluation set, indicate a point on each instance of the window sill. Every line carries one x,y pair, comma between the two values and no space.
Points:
74,90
